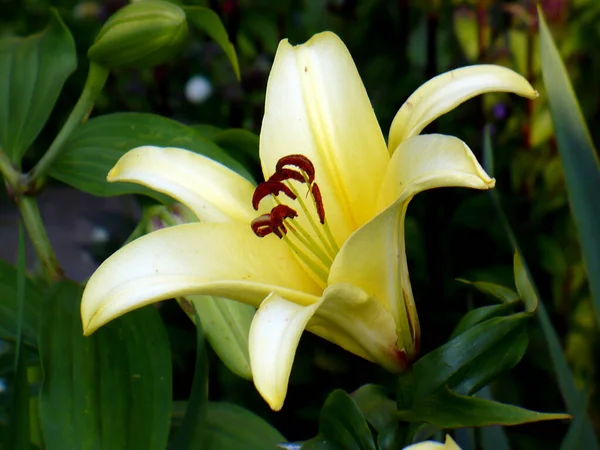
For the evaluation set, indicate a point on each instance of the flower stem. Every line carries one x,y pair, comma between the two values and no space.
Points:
10,174
96,79
37,233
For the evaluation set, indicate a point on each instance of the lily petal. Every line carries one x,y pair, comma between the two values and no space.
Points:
274,336
430,161
448,90
431,445
212,191
350,318
345,315
374,257
317,106
225,260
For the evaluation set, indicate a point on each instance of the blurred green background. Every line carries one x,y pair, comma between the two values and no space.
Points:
451,234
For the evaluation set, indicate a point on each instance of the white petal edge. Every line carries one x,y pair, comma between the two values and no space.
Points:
445,92
431,445
225,260
317,106
212,191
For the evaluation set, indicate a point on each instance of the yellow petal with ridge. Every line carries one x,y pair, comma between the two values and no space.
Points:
317,106
225,260
212,191
448,90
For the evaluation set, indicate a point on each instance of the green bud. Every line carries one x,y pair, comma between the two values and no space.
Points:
141,34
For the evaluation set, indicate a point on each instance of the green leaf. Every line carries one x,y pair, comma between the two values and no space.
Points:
578,156
473,358
233,427
18,426
575,437
446,409
111,390
9,305
193,431
239,142
209,22
494,437
32,73
227,326
342,423
479,315
566,381
497,291
526,290
95,147
375,405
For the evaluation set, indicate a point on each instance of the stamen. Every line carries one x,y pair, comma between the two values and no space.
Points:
262,225
299,161
270,188
287,174
278,215
318,198
328,247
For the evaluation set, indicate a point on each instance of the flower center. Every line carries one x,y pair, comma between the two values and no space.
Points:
315,246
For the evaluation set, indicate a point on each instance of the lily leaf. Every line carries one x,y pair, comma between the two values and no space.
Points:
111,390
231,426
95,147
239,142
342,423
18,427
209,22
33,71
473,358
566,381
526,290
227,326
9,305
479,315
375,405
502,293
192,433
446,409
578,155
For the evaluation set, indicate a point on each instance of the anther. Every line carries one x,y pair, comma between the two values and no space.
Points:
287,174
299,161
262,225
270,188
278,215
316,193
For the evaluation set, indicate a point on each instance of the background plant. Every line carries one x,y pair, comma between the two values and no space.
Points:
451,235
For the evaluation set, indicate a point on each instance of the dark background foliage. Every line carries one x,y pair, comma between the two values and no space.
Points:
451,234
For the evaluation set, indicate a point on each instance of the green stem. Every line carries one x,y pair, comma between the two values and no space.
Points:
10,174
37,233
96,79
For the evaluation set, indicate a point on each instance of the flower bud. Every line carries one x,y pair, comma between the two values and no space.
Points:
141,34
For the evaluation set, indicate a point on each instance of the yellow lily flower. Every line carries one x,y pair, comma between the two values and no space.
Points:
449,444
320,244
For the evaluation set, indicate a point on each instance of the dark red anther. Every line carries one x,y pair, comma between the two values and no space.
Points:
278,215
316,193
299,161
287,174
262,225
270,188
